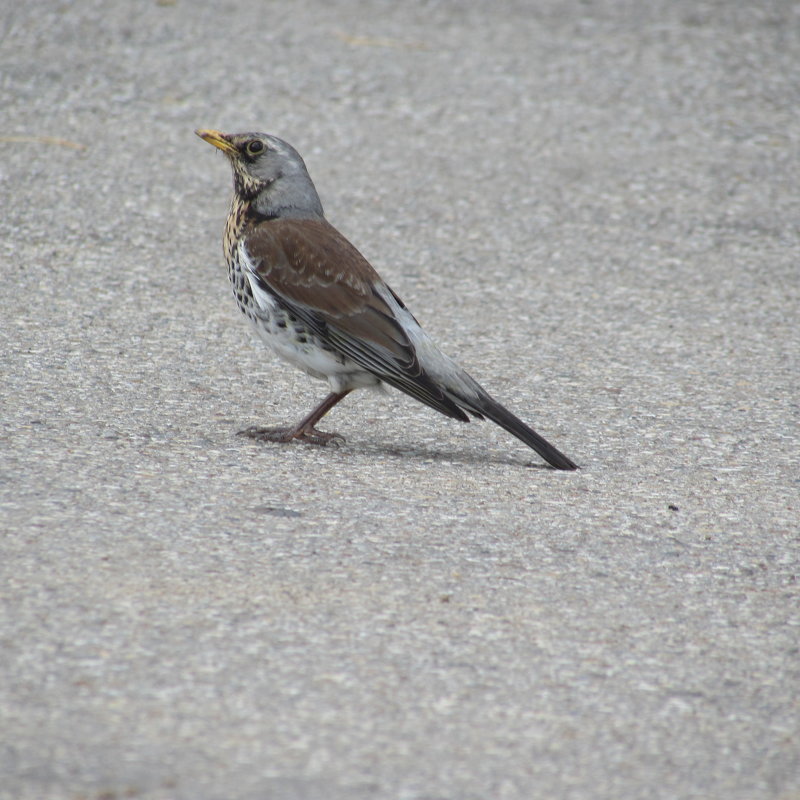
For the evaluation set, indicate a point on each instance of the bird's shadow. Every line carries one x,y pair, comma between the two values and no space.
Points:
438,454
350,447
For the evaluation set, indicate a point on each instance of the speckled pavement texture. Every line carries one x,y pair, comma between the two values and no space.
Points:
594,207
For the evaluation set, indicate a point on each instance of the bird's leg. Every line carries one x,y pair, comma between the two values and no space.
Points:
304,431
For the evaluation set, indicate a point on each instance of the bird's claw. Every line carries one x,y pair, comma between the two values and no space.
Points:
309,435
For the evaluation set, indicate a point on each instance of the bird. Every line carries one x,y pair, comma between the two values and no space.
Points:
320,305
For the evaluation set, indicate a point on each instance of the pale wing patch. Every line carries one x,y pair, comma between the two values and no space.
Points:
264,301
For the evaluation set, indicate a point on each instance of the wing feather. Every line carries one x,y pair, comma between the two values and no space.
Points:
310,268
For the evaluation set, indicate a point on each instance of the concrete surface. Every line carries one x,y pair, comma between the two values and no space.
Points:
592,205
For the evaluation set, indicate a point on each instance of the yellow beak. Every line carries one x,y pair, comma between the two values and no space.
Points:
218,139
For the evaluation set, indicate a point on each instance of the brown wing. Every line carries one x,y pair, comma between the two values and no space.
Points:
310,263
310,267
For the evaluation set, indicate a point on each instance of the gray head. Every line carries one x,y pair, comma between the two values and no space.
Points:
268,173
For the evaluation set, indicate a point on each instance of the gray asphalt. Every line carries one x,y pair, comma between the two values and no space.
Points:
594,207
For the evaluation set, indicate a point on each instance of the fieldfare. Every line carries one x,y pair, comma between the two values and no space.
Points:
319,304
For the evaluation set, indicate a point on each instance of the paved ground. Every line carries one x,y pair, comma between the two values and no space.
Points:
594,206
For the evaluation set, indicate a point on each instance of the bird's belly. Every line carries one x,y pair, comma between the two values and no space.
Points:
291,341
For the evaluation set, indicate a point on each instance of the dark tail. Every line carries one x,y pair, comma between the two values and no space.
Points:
516,427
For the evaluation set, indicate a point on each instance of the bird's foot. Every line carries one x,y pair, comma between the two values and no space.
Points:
307,434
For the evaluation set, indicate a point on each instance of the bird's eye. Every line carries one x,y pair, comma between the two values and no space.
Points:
255,147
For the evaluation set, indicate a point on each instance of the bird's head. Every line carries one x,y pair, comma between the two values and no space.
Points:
268,173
